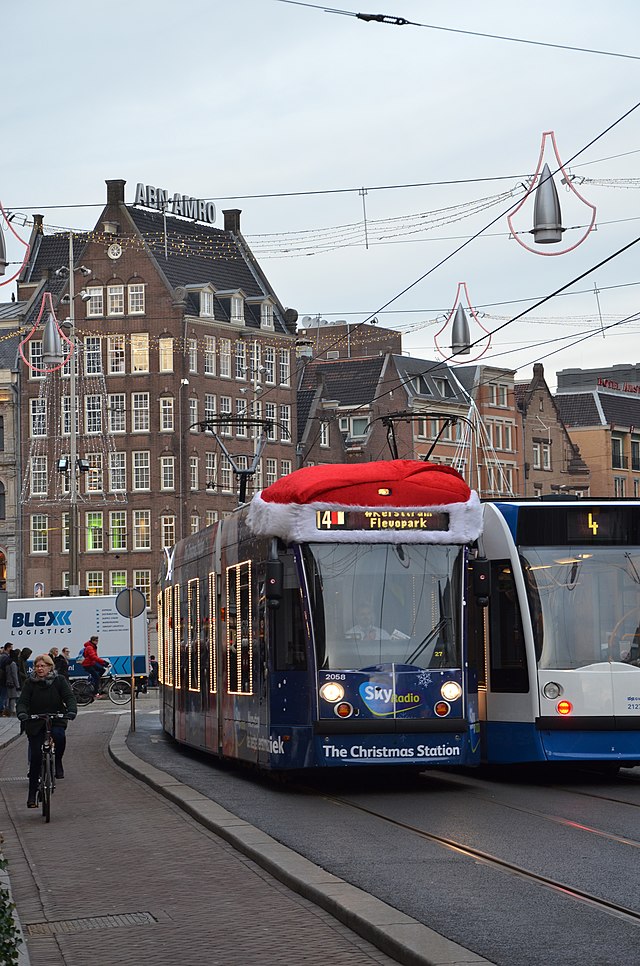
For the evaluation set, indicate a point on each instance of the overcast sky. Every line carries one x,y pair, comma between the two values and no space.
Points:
229,99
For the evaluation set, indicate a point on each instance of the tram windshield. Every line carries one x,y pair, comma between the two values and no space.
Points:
375,604
584,605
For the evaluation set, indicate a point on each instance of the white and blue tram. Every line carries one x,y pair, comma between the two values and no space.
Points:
557,650
323,624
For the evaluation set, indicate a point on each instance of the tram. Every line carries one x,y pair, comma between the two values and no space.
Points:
557,650
322,625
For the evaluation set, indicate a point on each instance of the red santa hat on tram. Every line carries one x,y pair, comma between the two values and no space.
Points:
287,508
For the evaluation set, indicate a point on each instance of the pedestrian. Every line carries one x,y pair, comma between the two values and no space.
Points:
13,684
5,657
93,665
23,668
61,661
45,692
153,672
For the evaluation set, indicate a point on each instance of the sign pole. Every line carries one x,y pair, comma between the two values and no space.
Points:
131,603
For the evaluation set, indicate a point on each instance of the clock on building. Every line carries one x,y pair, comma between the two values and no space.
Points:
114,251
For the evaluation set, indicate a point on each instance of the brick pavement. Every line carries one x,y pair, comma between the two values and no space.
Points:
115,848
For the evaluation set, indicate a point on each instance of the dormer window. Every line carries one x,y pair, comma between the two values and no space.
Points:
237,309
444,387
266,315
206,304
420,386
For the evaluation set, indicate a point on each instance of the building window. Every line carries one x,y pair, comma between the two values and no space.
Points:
193,472
135,293
94,478
420,385
142,529
39,531
92,355
166,414
225,410
209,355
619,486
237,309
194,523
141,464
193,355
284,368
165,354
225,358
324,434
94,533
226,476
206,304
285,424
93,415
211,470
35,359
65,533
270,365
117,413
118,530
38,418
498,393
635,454
117,581
209,409
241,413
618,461
142,582
241,359
140,352
285,467
95,305
116,358
140,412
193,415
270,419
168,529
115,299
95,582
117,472
66,416
210,517
266,315
167,472
271,472
39,476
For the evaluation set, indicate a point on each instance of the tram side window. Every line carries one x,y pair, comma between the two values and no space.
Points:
476,641
239,630
289,652
508,660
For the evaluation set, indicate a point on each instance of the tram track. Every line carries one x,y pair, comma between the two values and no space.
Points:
496,862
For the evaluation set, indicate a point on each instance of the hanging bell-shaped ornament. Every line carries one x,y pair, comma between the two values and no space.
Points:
52,354
547,217
460,333
3,254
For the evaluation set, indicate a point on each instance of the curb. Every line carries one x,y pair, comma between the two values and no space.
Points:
6,737
396,934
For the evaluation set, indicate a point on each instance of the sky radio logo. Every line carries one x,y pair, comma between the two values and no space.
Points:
47,622
382,701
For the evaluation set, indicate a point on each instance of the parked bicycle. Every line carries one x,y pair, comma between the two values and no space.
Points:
47,777
116,687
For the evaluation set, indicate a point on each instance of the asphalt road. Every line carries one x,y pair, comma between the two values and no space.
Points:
579,829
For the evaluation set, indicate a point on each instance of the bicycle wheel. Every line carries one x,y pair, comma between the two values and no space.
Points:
119,691
83,691
45,785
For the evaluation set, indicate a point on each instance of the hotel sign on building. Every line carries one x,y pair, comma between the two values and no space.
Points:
183,205
622,387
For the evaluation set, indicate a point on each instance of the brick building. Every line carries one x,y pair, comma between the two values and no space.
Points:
176,325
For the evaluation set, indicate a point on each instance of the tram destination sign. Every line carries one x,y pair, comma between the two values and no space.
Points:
369,520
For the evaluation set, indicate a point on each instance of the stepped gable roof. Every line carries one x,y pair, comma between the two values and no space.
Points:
353,382
578,409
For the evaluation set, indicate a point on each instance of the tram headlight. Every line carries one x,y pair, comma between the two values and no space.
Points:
552,690
451,690
331,691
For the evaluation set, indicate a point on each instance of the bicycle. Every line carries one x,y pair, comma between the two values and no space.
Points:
47,777
117,689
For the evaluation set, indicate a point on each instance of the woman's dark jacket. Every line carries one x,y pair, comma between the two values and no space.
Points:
50,695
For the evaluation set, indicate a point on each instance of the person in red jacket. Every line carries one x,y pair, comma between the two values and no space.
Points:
94,665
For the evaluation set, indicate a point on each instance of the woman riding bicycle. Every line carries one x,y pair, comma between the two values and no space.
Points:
44,692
